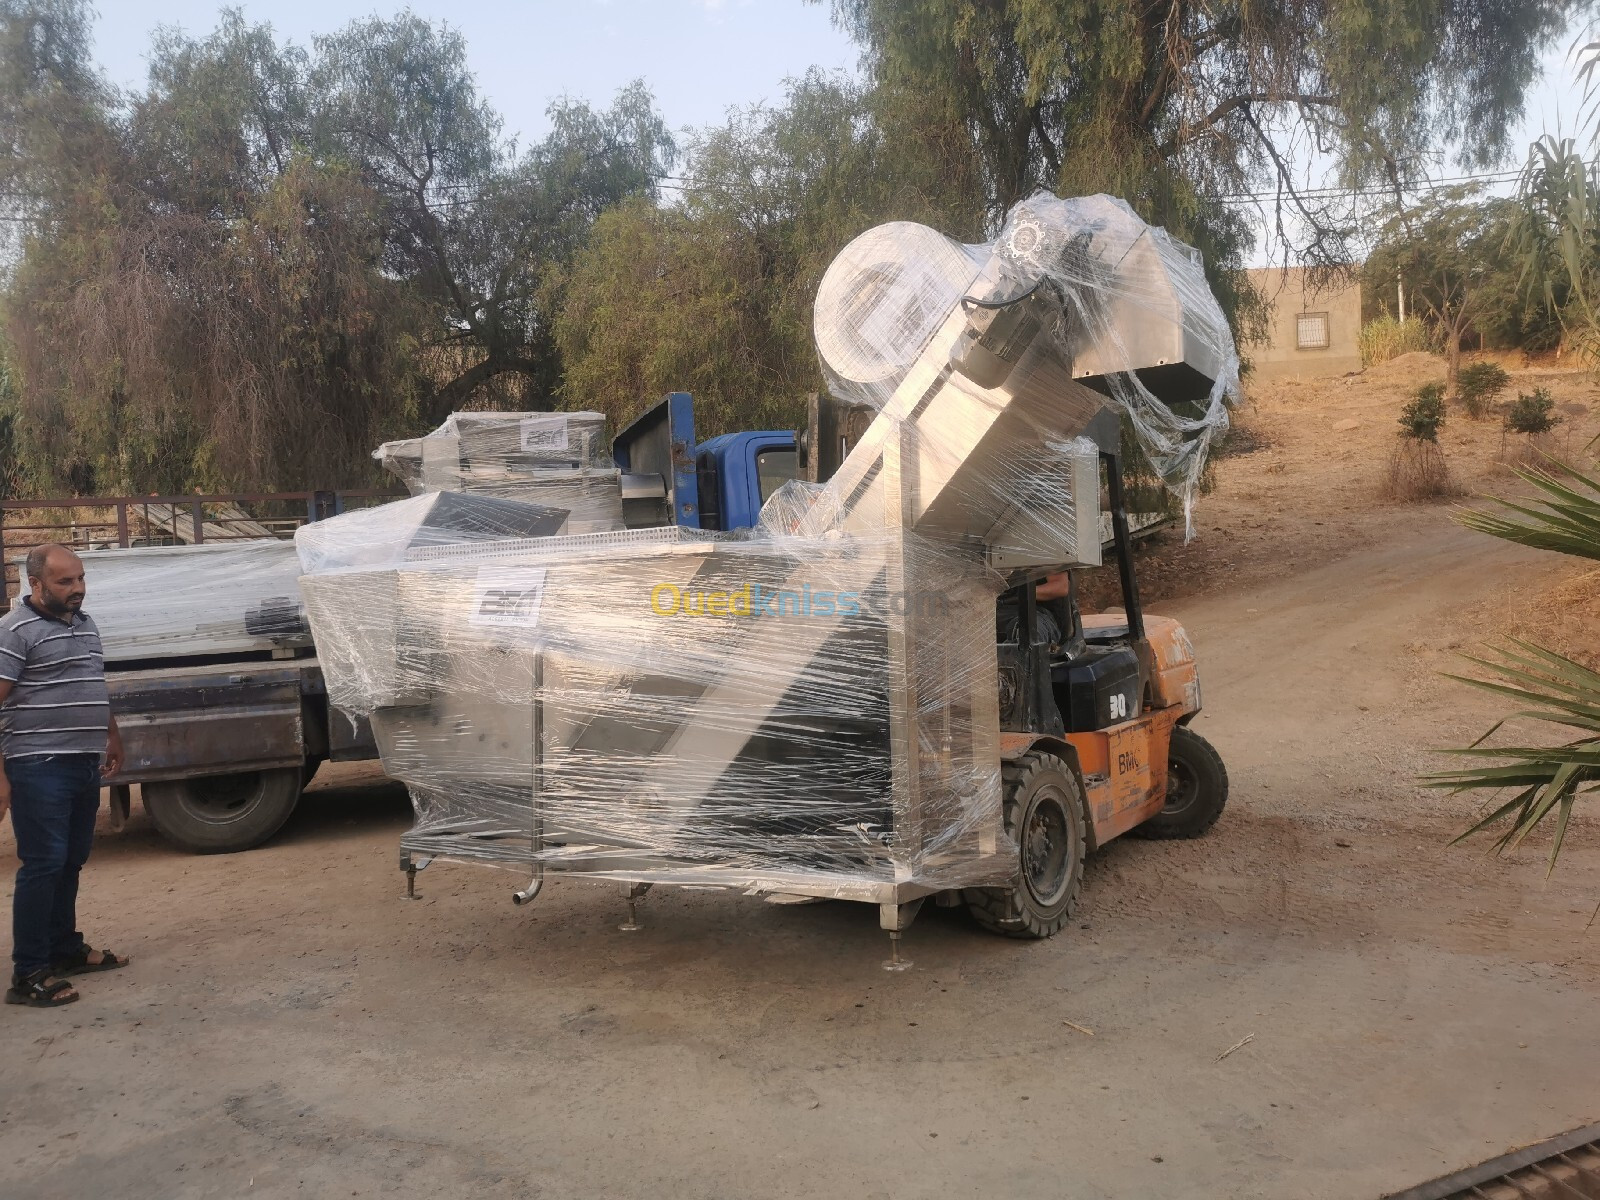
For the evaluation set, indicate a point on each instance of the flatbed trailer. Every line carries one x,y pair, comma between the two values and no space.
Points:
222,750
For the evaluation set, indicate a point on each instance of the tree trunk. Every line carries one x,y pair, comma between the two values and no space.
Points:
1452,361
459,390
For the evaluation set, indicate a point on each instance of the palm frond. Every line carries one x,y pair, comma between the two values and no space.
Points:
1549,779
1566,519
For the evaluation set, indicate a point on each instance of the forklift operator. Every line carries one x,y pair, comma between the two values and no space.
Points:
1052,592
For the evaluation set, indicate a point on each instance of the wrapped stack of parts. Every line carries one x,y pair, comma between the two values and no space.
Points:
559,460
166,602
161,603
812,707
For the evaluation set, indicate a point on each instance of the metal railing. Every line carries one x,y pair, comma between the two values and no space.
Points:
107,522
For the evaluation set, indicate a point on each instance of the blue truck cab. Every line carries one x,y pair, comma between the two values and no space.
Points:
720,483
738,471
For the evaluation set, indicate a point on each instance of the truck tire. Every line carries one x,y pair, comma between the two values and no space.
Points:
218,814
1197,789
1044,813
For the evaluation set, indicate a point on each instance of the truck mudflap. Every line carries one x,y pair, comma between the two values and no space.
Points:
189,722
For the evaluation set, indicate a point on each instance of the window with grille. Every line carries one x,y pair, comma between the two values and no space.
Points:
1311,331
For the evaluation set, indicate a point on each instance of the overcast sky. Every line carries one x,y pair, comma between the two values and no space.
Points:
699,57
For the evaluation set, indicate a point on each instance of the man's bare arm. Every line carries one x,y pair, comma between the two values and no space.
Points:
1053,587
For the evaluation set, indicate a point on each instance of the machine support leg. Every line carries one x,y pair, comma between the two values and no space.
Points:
895,962
536,836
897,918
631,892
411,866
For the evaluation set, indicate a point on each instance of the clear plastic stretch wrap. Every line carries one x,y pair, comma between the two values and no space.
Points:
166,602
560,460
812,706
1126,310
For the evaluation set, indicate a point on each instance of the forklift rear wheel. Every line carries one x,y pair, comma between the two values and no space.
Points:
1044,813
1197,789
218,814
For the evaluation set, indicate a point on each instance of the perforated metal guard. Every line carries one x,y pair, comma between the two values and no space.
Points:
1563,1168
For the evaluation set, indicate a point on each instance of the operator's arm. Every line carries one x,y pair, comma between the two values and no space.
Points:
1054,587
113,747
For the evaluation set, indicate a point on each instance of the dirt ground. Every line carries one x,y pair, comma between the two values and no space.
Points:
292,1027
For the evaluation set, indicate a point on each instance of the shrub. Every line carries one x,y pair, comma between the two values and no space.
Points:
1478,385
1421,418
1417,471
1416,468
1384,338
1532,413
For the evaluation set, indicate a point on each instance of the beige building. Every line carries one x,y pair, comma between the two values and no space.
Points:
1313,332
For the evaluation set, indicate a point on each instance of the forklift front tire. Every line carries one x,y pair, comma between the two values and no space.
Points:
1044,814
1197,789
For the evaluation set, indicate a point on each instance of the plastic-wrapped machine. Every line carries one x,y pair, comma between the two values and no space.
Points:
672,706
813,706
559,460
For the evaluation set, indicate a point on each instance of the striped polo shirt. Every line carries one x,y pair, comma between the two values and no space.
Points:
58,702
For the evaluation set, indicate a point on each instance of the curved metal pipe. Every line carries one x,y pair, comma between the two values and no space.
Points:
527,894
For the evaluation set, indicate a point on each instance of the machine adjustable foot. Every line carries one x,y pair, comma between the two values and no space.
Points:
411,866
631,893
894,961
896,919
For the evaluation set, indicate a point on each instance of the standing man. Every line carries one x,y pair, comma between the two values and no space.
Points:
57,730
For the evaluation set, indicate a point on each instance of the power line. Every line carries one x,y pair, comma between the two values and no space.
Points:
1488,178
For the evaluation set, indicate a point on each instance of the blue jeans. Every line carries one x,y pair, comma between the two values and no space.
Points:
54,799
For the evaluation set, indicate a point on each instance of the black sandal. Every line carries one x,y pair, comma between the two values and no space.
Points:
79,964
33,991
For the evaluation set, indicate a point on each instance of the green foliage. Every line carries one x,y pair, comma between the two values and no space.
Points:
1565,517
1451,251
1383,338
1173,105
11,463
1479,385
270,259
1532,413
1423,414
1556,237
1548,779
714,295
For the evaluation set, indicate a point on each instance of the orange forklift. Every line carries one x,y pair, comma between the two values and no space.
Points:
1094,714
1095,738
